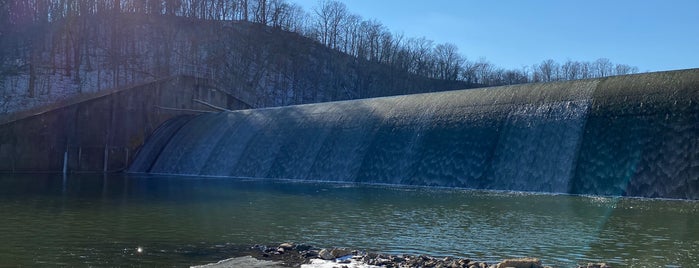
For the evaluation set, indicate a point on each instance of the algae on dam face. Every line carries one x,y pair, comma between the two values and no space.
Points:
631,135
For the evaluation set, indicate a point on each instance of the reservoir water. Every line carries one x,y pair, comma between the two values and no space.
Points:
95,220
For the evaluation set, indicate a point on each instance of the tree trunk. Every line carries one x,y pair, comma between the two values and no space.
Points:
31,91
245,10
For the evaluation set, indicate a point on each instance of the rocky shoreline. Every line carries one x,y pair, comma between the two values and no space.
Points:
305,256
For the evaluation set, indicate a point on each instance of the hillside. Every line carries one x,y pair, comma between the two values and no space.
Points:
45,62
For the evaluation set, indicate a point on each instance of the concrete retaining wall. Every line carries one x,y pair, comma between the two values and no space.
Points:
103,132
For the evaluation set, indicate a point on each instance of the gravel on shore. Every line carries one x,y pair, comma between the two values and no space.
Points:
305,256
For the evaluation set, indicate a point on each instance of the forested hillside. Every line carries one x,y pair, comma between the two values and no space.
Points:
270,49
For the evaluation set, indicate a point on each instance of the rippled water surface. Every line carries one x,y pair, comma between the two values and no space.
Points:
96,220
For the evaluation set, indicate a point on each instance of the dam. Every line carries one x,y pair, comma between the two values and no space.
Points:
633,135
261,176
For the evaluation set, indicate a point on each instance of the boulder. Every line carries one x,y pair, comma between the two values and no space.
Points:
520,263
340,252
287,246
246,261
325,254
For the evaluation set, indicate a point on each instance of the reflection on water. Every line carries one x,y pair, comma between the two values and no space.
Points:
96,220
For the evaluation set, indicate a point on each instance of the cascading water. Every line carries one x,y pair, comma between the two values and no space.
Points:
634,135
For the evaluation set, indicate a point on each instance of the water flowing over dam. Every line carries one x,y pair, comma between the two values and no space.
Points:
634,135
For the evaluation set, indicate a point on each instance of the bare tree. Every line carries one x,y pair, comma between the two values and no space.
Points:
330,15
295,19
351,35
277,8
570,70
586,70
604,67
512,77
448,61
260,10
478,73
621,69
421,50
547,71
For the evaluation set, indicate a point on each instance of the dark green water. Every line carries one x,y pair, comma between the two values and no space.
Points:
89,220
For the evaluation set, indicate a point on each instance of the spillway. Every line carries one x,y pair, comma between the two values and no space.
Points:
633,135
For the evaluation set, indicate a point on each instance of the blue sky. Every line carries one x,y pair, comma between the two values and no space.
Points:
653,35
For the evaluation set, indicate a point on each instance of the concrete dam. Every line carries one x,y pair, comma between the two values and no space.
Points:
633,135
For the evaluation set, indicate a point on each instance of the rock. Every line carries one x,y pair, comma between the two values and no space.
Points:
382,262
294,255
397,259
520,263
309,253
246,261
286,246
340,252
598,265
325,254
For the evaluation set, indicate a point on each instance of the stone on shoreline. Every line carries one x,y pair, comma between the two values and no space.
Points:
325,254
340,252
596,265
246,261
286,246
520,263
292,255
